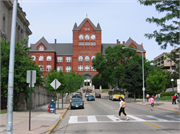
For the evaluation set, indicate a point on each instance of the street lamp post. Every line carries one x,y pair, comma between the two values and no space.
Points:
142,70
172,85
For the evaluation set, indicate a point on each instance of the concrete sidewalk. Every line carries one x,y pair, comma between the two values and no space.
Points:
41,120
166,105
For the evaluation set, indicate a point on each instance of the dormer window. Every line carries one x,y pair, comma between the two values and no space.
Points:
41,48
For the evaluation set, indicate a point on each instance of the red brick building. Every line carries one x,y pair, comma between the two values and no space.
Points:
76,56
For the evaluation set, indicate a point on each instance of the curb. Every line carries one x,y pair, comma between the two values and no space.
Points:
160,108
62,115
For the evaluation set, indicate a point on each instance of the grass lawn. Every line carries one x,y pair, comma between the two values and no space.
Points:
105,90
3,111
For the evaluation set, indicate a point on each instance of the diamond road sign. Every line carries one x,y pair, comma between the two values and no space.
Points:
55,84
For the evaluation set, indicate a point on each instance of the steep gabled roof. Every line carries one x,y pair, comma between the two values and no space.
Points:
43,40
82,23
63,48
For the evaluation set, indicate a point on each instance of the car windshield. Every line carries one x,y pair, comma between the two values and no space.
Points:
91,96
76,100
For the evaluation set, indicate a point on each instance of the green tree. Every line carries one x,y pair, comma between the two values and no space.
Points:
51,76
97,81
156,82
133,79
170,76
169,33
22,63
111,67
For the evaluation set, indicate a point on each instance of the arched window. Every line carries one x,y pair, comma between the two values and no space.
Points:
48,58
41,58
87,36
33,57
41,48
92,57
86,58
80,58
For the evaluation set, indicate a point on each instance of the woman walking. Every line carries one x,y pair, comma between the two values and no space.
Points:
122,109
151,102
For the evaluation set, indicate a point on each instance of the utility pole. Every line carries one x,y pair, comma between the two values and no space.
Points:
9,123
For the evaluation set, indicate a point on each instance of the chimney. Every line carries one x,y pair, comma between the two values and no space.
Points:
55,41
123,42
118,42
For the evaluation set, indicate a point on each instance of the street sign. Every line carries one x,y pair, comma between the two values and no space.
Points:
143,89
178,85
28,76
55,84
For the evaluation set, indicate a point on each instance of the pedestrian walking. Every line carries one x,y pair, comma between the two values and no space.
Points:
176,97
66,95
173,99
122,108
151,102
147,96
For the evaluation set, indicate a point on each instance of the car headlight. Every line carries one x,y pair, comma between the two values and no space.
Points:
81,103
73,104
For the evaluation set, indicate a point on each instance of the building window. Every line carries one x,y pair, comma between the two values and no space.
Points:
81,36
88,43
68,59
92,57
79,43
92,69
68,68
94,43
87,36
59,68
41,58
82,43
41,67
80,58
59,59
33,57
41,48
85,28
48,58
86,58
80,67
48,68
86,67
4,22
88,28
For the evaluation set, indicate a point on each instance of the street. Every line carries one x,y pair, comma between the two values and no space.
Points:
99,116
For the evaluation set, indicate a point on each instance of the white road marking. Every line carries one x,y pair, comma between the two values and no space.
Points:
113,118
176,118
92,119
73,119
159,119
136,118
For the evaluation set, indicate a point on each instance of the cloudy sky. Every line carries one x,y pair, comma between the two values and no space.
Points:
119,19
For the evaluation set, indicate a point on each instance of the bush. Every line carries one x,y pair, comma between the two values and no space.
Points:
167,93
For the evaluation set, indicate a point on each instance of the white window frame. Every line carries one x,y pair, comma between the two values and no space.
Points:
86,67
87,36
41,59
68,59
41,67
80,58
41,48
92,57
59,59
49,58
80,67
48,67
59,68
86,58
68,68
34,57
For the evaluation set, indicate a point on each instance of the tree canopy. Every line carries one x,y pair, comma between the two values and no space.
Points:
169,33
22,63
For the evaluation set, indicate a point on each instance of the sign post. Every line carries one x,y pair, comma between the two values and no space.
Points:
55,84
31,79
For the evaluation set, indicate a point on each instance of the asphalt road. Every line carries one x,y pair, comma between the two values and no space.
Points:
99,117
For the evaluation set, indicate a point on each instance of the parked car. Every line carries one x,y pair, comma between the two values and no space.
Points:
87,94
77,103
98,95
79,93
77,96
90,98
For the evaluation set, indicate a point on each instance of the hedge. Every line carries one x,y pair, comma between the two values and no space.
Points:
167,93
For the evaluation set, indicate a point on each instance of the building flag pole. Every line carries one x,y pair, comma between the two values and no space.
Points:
9,122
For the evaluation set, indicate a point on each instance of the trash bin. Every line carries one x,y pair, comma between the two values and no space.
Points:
52,107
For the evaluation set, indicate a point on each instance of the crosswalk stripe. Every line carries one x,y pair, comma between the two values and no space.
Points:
136,118
92,119
172,117
159,119
73,119
112,117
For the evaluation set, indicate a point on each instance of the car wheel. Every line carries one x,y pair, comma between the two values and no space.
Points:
71,108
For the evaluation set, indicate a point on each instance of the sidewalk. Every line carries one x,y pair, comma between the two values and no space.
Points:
166,105
41,120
